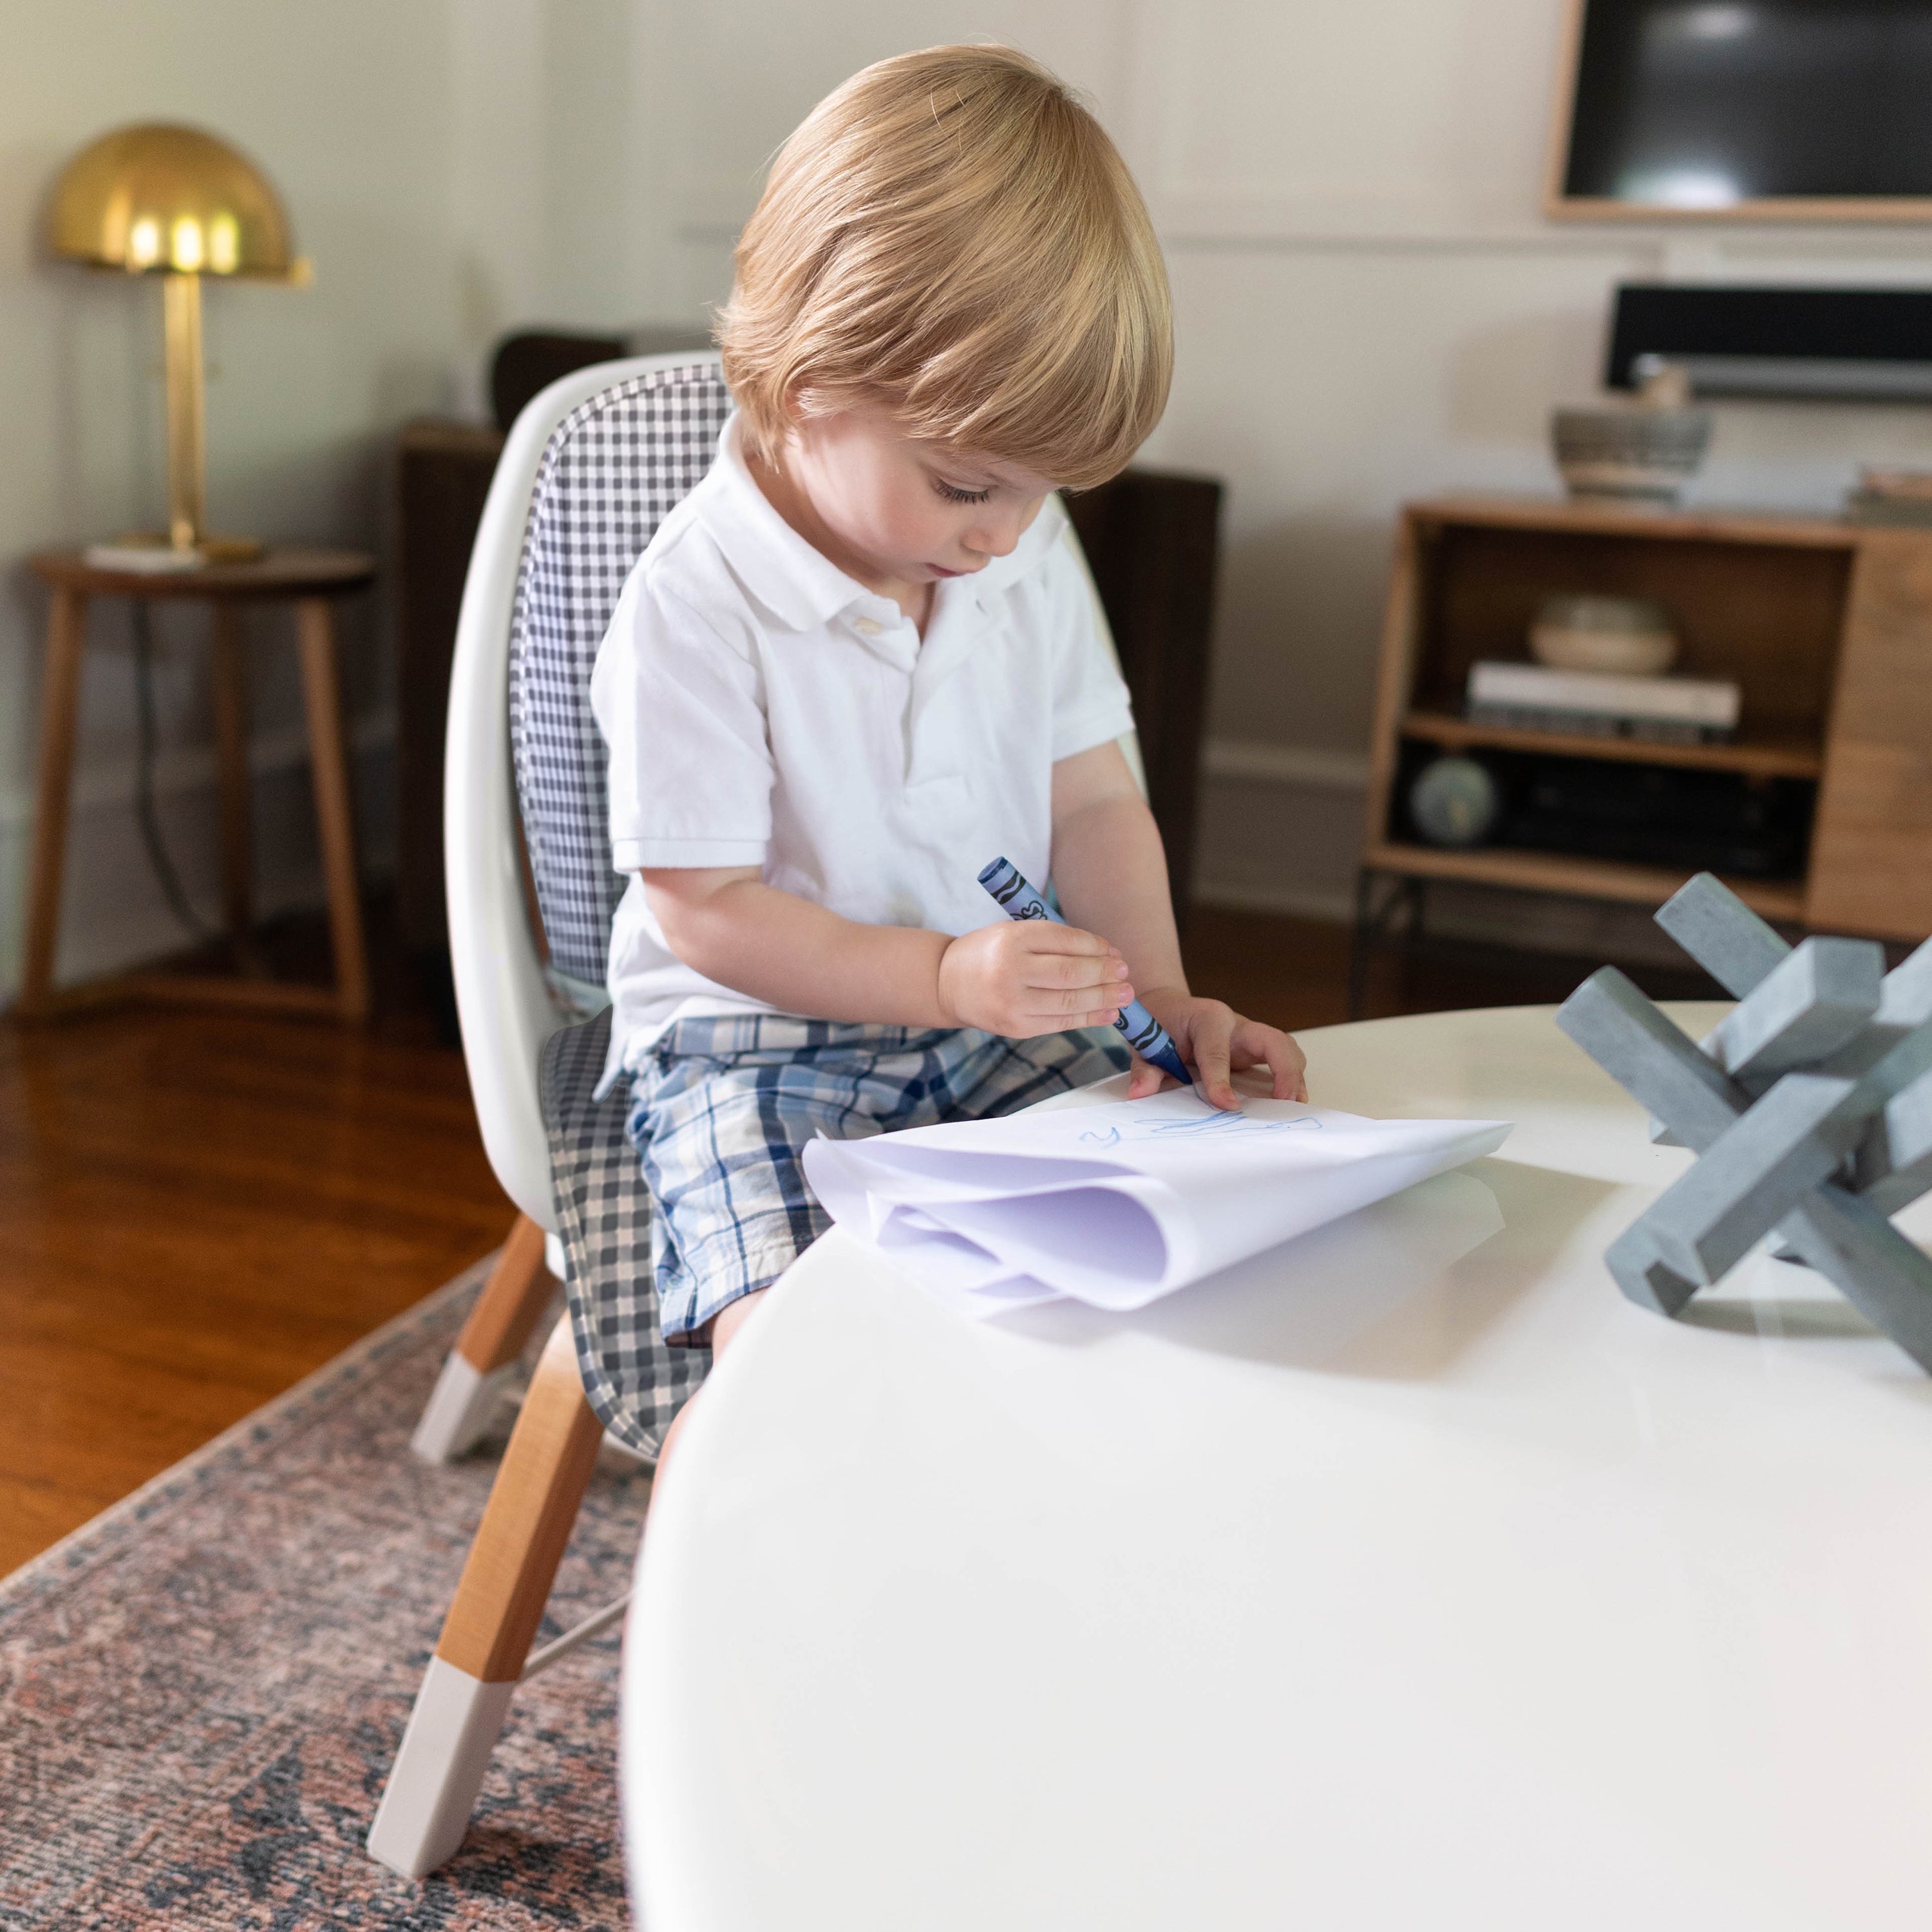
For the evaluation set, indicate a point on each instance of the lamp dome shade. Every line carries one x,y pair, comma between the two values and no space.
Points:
160,197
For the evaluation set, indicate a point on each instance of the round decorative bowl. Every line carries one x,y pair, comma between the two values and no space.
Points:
1628,636
1629,455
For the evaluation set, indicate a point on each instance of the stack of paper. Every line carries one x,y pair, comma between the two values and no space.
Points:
1118,1204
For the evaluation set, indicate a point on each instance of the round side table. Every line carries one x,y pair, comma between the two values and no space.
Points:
312,580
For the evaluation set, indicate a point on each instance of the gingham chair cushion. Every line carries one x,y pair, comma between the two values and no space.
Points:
635,1383
614,469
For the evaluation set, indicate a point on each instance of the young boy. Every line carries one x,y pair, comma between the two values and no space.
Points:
859,660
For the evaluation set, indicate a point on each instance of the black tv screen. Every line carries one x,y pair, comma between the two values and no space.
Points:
1702,104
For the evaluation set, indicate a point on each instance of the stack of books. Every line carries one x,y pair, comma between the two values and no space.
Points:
1892,496
1602,704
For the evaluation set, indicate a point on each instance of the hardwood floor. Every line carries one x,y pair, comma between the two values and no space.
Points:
198,1209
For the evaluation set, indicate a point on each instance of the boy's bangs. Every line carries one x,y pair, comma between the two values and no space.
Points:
1051,387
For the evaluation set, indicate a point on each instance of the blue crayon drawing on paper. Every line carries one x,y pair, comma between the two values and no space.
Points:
1217,1125
1144,1033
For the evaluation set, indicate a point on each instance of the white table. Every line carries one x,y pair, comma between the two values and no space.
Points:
1408,1577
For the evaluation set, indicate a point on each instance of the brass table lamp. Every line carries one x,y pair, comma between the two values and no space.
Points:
172,201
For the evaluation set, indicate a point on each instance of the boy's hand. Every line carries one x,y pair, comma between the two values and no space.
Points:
1213,1038
1024,977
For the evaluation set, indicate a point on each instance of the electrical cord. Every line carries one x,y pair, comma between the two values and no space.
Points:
146,739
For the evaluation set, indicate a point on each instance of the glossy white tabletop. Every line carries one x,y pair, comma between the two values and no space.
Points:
1407,1577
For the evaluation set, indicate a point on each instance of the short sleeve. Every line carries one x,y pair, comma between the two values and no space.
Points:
1091,704
679,702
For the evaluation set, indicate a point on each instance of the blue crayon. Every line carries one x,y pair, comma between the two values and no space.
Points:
1144,1033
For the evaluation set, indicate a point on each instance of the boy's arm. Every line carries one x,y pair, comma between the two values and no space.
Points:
1110,874
1010,978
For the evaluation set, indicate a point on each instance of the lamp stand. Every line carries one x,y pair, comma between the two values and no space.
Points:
187,441
187,445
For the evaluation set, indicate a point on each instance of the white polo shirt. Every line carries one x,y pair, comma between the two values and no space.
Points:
763,709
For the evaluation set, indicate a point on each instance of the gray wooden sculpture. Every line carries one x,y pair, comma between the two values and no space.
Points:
1810,1109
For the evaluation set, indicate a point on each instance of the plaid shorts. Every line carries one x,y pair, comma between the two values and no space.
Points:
722,1108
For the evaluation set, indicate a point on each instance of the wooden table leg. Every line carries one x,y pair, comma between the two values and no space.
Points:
329,756
230,689
60,705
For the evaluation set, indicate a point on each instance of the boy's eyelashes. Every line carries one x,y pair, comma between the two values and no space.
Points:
954,494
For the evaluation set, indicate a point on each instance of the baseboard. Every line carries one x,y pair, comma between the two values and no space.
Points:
1313,767
1331,908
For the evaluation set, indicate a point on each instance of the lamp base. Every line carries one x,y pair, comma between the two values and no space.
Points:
150,551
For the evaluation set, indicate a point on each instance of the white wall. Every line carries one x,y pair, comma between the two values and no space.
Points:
347,107
1370,307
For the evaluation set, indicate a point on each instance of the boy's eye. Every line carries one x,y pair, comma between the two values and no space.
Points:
953,494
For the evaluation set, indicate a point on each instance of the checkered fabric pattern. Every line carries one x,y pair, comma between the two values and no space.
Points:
635,1383
723,1109
614,468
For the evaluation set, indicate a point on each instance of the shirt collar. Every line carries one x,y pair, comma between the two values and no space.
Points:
803,589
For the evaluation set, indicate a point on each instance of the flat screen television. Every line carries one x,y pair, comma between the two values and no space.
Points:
1777,109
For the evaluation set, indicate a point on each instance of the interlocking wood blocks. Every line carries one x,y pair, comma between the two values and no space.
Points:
1809,1109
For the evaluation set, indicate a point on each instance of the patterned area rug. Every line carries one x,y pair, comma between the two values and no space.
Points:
201,1691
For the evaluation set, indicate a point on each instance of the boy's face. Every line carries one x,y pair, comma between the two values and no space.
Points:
894,510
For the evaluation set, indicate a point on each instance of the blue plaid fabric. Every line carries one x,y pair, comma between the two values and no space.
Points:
722,1109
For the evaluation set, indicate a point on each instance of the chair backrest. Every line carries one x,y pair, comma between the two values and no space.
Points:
614,468
655,438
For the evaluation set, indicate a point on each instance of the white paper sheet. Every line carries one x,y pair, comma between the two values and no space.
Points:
1118,1204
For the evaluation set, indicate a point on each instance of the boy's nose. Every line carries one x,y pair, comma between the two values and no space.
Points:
992,540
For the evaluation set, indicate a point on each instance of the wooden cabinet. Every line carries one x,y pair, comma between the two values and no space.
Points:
1825,626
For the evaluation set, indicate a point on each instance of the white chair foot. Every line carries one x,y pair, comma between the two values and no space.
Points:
434,1783
461,1408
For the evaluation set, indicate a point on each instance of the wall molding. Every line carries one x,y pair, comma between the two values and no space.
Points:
1212,223
1314,767
105,783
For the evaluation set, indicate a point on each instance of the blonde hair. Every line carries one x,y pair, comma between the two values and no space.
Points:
952,236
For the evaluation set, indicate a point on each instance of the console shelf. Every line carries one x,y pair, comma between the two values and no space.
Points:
1766,758
1825,626
1586,878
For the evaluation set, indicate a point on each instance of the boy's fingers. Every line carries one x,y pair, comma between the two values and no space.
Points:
1142,1079
1056,969
1064,1009
1257,1045
1043,935
1211,1044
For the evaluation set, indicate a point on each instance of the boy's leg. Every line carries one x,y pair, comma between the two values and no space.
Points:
721,1135
724,1326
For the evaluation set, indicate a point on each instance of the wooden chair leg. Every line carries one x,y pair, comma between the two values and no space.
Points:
315,626
60,706
468,1391
498,1604
230,683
